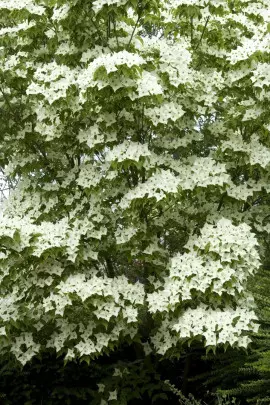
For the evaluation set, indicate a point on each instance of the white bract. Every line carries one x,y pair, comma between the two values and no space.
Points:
128,150
29,5
161,114
109,62
175,60
156,186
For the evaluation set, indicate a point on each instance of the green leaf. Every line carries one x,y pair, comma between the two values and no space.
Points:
161,395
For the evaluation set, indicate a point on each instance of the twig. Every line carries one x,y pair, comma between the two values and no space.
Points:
135,26
221,201
191,29
203,31
116,36
8,103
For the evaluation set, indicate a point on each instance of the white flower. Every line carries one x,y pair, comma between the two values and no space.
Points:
101,387
113,395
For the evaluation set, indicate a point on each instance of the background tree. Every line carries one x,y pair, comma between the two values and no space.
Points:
244,374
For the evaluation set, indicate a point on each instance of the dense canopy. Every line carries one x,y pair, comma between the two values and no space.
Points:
137,133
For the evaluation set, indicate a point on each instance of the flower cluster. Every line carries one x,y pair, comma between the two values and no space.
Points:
161,114
156,186
127,150
28,5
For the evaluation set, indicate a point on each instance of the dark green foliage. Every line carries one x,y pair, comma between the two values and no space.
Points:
47,382
244,374
50,382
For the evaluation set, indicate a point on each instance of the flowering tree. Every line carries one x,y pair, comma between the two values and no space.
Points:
139,132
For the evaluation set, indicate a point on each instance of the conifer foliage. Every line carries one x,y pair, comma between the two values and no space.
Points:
138,133
246,374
